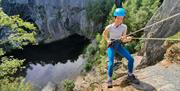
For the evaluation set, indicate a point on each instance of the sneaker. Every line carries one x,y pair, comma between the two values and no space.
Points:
109,83
132,79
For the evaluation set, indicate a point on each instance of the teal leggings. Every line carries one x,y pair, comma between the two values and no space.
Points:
121,51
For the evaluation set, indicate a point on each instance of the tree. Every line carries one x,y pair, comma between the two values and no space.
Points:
15,33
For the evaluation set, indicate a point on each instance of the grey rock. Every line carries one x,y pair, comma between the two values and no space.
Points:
160,77
56,19
50,87
154,51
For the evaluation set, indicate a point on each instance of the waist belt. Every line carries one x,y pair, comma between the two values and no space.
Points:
114,41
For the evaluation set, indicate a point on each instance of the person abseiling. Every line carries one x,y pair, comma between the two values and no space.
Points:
115,35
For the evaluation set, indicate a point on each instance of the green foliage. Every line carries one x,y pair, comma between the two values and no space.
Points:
138,12
91,49
139,45
9,66
98,38
110,16
176,36
88,66
130,46
94,11
98,9
16,33
1,52
16,85
114,76
95,52
89,54
68,85
22,33
102,46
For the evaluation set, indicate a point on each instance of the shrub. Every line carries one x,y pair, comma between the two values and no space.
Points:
68,85
15,33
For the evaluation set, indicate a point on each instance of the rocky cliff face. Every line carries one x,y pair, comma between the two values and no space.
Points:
56,19
154,51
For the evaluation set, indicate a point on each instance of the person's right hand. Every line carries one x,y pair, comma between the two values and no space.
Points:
109,42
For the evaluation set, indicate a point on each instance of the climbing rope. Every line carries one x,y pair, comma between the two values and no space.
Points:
175,15
157,39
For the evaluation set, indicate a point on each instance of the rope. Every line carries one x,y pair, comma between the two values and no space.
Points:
175,15
158,39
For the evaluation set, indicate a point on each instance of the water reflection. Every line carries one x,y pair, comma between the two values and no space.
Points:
59,51
40,75
52,62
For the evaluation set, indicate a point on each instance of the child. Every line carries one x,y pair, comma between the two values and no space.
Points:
112,33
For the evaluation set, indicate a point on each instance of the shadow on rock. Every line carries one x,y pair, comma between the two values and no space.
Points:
144,86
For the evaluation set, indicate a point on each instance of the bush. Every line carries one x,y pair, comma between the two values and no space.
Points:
130,46
8,68
97,10
1,52
139,45
138,12
17,85
90,55
15,33
68,85
110,17
88,66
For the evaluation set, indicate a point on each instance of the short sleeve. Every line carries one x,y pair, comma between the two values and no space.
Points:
125,27
108,27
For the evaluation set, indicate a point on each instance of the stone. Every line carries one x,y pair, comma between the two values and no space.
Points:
55,19
49,87
154,51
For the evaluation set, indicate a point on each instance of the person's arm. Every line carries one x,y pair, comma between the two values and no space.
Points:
105,35
125,38
124,33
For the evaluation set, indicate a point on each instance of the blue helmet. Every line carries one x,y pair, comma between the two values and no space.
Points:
119,12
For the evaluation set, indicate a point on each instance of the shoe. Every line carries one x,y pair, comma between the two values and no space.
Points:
132,79
109,83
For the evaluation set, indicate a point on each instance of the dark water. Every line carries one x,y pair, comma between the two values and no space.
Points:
52,62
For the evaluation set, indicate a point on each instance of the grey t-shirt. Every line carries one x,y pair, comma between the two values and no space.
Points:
116,32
